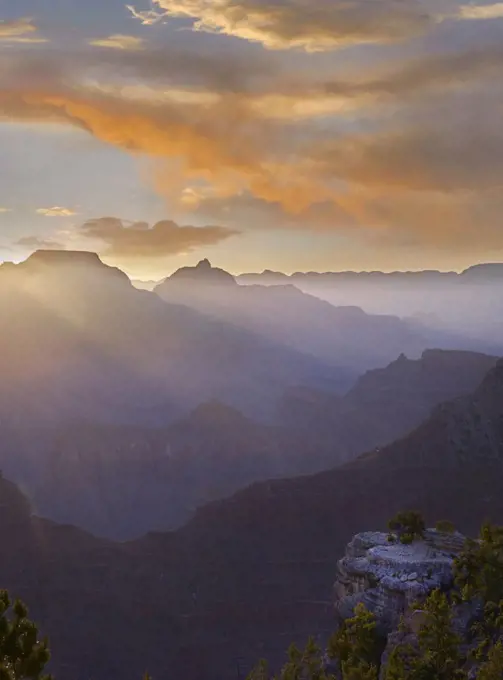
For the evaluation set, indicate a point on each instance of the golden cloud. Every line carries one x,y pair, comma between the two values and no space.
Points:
312,25
119,42
316,25
56,211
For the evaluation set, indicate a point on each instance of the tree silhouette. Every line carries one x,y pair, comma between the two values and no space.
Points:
23,656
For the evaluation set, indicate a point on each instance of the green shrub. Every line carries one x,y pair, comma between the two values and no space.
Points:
406,539
408,522
445,527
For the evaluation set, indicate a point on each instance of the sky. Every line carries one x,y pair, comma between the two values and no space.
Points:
291,135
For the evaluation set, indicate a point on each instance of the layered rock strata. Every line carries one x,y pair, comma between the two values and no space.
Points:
388,577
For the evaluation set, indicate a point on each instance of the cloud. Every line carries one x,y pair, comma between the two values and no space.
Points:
407,147
472,11
224,144
36,243
467,221
313,25
20,31
435,157
147,17
139,240
56,211
119,42
316,25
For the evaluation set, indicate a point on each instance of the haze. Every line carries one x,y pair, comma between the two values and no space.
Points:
251,308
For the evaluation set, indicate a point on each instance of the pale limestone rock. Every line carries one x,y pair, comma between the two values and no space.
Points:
389,577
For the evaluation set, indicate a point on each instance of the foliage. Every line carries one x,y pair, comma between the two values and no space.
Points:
357,646
487,630
492,669
438,643
437,655
445,527
22,654
478,570
406,539
307,664
408,524
400,661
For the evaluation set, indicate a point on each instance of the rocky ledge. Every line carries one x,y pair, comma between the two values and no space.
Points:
388,577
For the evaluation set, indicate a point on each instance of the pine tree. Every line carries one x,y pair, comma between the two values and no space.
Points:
439,645
478,570
23,656
357,646
306,664
437,655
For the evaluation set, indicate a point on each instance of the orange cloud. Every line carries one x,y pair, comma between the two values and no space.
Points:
139,240
225,144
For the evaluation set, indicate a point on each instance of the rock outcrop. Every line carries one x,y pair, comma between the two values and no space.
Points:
388,577
202,274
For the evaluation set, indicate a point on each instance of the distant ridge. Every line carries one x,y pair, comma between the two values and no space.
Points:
344,335
490,271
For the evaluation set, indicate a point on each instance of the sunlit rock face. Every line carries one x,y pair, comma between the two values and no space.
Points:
389,577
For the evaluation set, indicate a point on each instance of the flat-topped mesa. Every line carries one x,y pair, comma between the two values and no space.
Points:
389,577
64,267
64,257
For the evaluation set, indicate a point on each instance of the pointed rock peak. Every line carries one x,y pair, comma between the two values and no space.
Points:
203,273
204,264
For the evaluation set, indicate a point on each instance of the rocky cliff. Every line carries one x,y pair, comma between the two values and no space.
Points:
389,577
